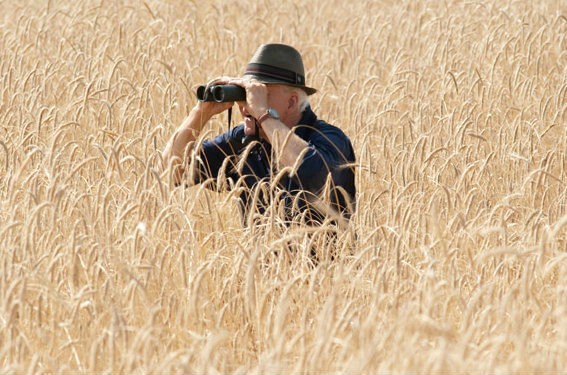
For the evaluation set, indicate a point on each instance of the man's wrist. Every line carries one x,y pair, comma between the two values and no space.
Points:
269,113
259,113
199,117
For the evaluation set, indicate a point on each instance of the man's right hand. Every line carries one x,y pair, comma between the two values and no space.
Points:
207,110
210,109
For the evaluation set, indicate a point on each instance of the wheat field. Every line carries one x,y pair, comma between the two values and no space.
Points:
456,260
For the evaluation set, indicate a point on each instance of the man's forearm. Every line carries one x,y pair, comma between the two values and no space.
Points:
175,152
289,146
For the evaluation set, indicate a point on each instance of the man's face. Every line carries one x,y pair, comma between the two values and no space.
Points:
280,97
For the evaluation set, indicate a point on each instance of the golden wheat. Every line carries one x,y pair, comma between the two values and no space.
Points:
455,261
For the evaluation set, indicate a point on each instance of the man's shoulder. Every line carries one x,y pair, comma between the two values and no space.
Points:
321,126
323,129
325,136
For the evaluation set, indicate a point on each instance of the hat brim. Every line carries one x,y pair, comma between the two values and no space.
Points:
268,80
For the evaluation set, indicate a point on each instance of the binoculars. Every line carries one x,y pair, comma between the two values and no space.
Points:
221,93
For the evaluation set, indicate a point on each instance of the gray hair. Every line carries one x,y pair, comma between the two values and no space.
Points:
303,98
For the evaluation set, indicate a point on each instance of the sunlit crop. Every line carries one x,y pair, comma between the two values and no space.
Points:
456,260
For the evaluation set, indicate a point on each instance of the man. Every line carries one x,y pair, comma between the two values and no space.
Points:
299,163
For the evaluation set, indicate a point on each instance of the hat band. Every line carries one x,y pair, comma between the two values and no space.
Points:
272,72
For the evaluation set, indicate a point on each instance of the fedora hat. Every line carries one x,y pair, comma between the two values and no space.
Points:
278,63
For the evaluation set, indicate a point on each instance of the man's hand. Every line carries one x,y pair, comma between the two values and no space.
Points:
210,109
256,98
256,102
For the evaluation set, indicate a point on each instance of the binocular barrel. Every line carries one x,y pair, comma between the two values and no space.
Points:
221,93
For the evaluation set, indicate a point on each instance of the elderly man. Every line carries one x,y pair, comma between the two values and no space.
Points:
298,162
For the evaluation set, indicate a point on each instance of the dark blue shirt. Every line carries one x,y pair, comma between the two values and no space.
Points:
324,178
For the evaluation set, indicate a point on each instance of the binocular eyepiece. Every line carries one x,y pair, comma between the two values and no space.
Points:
221,93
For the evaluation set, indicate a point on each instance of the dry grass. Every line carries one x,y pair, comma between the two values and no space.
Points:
457,111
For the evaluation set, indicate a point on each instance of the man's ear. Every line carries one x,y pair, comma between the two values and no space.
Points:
293,101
